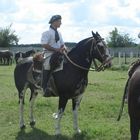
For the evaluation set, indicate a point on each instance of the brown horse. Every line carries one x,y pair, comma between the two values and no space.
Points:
132,92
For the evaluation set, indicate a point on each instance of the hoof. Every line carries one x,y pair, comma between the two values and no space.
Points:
126,100
32,123
22,127
55,115
57,134
78,131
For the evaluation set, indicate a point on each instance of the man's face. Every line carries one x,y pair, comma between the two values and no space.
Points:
57,23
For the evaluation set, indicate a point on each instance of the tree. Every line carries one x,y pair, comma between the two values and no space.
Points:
8,37
118,40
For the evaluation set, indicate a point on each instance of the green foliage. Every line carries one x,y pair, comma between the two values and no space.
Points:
8,37
119,40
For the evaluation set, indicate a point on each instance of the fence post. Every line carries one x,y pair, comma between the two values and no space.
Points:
131,57
124,55
119,58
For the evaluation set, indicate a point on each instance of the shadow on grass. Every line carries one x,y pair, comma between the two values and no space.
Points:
37,134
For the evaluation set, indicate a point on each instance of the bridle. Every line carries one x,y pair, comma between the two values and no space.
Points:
97,68
105,62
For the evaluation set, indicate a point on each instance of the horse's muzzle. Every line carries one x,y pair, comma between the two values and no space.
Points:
108,62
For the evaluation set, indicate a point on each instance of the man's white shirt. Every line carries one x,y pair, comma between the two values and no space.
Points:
48,37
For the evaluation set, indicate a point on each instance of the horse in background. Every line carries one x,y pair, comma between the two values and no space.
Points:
6,57
20,55
70,82
132,94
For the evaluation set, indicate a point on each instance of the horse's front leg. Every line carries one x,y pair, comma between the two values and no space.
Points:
75,105
21,109
61,108
32,100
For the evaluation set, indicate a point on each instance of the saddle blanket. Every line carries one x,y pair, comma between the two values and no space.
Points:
46,64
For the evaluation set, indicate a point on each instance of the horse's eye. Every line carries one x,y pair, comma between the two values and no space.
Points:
99,46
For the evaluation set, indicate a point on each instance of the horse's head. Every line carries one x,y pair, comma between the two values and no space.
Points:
100,52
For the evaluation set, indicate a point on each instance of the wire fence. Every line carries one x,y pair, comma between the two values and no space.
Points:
122,58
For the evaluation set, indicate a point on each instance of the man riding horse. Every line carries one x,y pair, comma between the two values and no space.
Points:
52,42
76,66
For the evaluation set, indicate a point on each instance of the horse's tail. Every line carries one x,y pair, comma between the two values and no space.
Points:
123,99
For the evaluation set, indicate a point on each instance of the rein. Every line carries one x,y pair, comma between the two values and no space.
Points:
97,68
101,67
81,67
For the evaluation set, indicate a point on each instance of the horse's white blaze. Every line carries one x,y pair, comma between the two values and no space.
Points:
103,44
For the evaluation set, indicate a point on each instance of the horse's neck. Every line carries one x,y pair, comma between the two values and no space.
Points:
81,56
134,67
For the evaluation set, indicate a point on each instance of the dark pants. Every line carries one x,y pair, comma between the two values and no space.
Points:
55,61
45,78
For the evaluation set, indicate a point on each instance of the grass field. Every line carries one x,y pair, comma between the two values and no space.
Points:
97,114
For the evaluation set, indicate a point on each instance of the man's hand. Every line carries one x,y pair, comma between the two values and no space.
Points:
63,48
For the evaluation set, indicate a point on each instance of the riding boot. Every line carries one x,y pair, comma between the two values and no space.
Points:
45,79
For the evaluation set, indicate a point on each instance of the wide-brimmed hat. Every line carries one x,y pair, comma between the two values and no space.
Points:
54,18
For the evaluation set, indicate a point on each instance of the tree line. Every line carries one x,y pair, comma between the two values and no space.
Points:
117,39
8,38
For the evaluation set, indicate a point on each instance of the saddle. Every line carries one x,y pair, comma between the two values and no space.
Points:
35,71
34,75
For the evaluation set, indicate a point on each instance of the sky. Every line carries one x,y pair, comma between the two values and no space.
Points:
29,18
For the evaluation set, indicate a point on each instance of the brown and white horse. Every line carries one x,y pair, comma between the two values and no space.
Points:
69,82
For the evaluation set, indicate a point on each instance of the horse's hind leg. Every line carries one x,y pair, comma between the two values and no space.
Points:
21,107
32,100
75,105
61,108
134,128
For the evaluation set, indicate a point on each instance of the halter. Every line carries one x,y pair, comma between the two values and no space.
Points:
98,68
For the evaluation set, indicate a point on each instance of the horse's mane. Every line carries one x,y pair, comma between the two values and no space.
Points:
79,44
133,67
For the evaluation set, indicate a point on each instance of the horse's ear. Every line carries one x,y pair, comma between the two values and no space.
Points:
94,35
97,34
